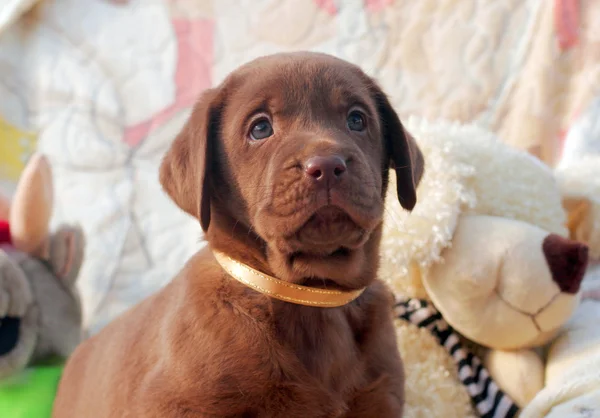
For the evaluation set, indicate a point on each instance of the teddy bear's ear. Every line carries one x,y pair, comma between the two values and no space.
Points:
65,253
580,218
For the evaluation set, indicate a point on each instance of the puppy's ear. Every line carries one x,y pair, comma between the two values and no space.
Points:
404,154
185,169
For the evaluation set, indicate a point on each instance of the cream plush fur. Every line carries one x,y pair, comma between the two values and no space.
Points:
472,245
432,387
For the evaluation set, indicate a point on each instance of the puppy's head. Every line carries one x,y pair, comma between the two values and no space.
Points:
295,148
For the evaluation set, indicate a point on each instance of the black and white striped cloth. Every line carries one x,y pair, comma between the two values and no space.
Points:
487,398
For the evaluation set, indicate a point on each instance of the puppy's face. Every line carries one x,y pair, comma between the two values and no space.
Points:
296,148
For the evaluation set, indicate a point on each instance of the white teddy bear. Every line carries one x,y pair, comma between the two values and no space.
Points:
487,244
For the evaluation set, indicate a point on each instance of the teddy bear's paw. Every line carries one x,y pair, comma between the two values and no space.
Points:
15,292
519,373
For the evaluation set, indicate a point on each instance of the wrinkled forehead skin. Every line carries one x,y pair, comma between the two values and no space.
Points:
306,87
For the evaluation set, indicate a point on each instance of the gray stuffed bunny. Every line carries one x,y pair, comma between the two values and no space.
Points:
40,310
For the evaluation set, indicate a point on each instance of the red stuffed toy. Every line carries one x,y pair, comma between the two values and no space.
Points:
5,232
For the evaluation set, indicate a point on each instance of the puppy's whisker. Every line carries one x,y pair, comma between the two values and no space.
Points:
249,230
233,228
391,217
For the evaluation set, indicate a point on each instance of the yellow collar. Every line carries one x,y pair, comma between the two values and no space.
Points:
279,289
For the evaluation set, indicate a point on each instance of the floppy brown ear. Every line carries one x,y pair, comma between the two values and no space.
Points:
185,169
405,156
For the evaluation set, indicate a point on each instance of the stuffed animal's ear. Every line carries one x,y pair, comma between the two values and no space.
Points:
185,169
65,253
32,205
579,217
404,154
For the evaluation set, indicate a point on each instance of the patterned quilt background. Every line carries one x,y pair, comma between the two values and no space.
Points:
103,86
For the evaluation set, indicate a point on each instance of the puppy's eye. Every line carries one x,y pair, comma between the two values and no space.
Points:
356,121
260,130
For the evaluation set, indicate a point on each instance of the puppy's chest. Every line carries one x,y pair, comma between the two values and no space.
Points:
326,349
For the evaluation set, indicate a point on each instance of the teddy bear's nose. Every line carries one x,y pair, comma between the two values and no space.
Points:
567,260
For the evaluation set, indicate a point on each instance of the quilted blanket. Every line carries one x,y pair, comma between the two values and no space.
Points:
102,87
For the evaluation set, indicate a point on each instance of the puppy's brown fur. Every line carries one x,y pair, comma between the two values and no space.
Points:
206,345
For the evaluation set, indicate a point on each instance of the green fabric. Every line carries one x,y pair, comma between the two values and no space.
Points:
31,393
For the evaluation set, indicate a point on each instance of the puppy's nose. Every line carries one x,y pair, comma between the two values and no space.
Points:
323,169
567,260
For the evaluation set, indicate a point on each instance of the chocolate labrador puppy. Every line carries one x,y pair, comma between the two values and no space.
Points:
285,165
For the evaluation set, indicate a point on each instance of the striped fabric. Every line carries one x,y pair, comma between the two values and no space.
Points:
488,399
